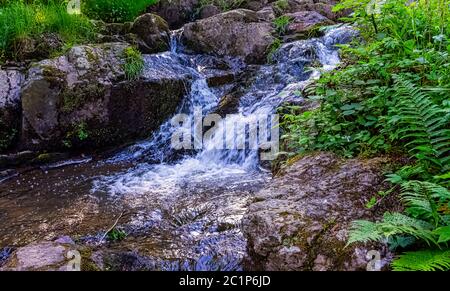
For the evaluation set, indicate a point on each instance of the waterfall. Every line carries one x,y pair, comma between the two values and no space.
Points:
268,91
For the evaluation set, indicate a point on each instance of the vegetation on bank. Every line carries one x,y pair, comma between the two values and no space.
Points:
22,22
115,10
391,96
27,23
134,63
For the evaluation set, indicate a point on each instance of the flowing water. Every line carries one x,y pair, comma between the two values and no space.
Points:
180,211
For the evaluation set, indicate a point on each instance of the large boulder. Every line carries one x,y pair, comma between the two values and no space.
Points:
175,12
238,33
10,85
153,33
300,221
83,99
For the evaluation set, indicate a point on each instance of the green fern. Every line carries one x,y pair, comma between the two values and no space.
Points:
424,199
423,123
425,260
393,224
427,205
364,231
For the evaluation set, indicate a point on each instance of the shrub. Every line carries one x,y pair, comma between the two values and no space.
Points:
115,10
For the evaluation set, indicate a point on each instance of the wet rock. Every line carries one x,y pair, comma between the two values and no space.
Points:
83,99
175,12
217,71
266,14
254,5
7,174
323,7
301,220
117,28
228,104
122,261
10,111
237,33
5,253
153,33
311,51
230,101
43,256
20,158
208,11
304,21
65,240
50,158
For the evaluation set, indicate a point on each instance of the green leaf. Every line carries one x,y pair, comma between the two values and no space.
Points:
371,202
444,234
426,260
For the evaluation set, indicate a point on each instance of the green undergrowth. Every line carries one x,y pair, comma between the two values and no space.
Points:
390,96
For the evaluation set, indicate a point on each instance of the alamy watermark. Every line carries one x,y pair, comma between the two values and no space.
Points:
74,7
234,132
374,263
74,263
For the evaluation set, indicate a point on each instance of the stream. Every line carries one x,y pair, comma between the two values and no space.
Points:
179,211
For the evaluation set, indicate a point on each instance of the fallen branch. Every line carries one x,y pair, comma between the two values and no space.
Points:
111,228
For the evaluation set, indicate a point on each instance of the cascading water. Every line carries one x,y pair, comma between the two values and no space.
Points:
271,88
183,210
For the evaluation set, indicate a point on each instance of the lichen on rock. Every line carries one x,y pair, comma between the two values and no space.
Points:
301,220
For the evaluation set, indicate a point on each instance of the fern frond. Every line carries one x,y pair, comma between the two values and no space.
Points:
426,260
392,224
423,199
399,224
423,123
363,231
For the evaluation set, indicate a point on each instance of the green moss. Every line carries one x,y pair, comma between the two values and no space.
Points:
91,56
75,98
52,75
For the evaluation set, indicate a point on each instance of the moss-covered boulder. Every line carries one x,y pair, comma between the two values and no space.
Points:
300,221
83,99
153,33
